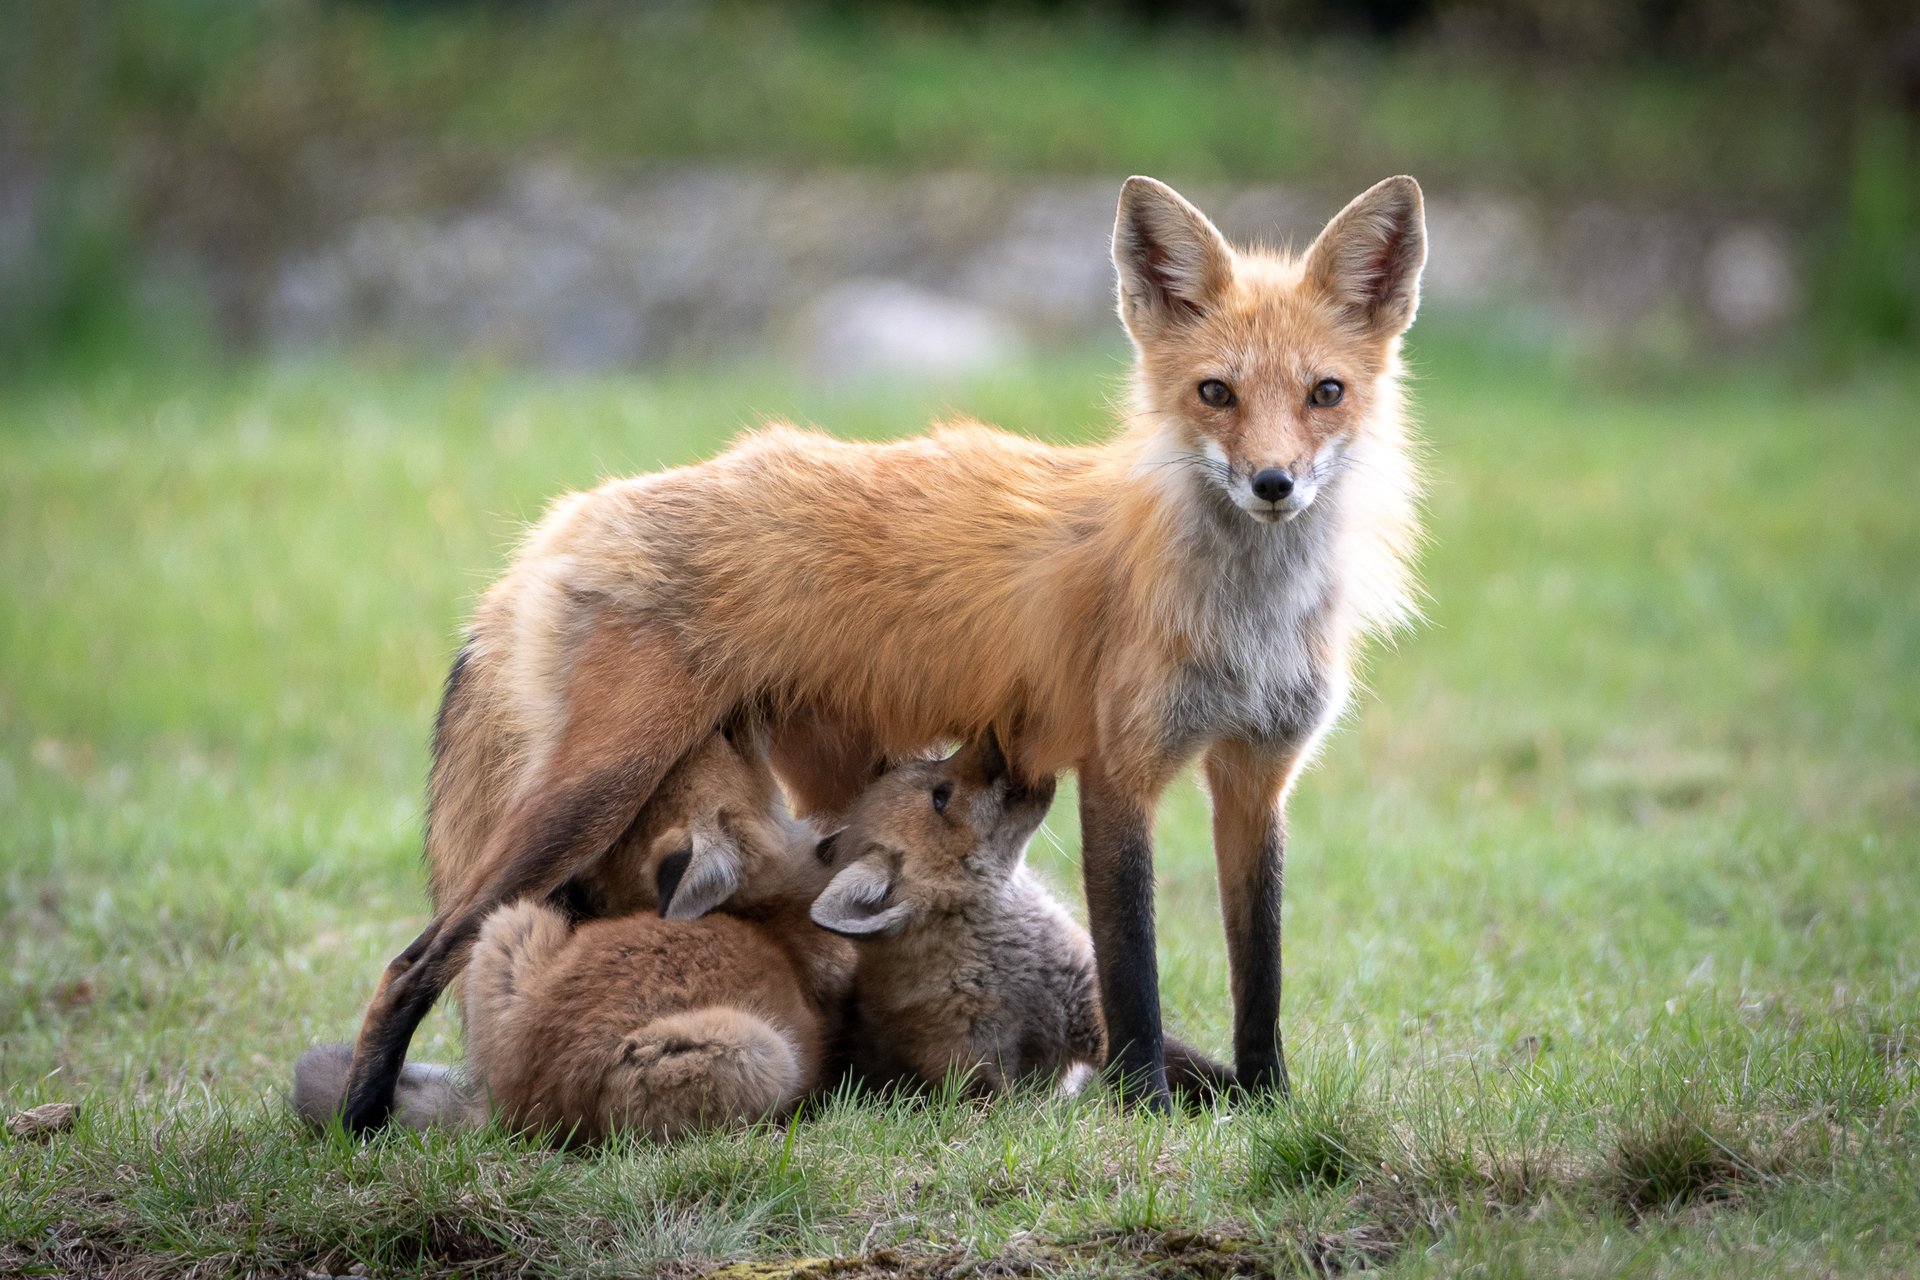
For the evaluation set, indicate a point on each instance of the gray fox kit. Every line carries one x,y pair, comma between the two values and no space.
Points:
967,964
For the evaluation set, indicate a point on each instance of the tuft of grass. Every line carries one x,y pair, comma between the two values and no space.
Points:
1325,1135
1674,1153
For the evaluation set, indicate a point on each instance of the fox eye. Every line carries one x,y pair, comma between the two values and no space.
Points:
942,794
1326,393
1216,394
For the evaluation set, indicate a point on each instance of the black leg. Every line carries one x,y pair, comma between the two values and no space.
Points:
1259,1060
1246,787
412,983
1117,861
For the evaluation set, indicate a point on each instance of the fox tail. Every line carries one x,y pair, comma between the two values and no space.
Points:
429,1095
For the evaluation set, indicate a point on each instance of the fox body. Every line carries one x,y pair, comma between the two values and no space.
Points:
659,1024
1196,586
968,966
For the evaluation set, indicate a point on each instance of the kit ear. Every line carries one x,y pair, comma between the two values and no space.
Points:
859,902
981,760
711,876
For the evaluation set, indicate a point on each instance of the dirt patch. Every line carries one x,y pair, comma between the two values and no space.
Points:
1167,1255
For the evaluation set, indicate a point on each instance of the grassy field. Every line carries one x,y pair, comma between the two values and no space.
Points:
1602,911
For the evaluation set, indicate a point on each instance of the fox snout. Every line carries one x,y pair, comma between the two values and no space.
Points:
1274,492
1272,484
1278,495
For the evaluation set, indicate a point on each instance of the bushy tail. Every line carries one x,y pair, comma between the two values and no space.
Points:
701,1070
1193,1076
429,1095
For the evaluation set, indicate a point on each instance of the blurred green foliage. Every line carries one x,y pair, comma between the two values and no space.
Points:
1870,285
201,123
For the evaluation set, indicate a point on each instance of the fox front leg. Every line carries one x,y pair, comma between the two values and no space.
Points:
1248,788
1117,862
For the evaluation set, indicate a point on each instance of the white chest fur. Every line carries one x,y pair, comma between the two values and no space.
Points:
1256,616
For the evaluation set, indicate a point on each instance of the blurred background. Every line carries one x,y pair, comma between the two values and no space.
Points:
923,188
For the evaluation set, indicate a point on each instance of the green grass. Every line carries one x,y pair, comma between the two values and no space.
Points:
1601,916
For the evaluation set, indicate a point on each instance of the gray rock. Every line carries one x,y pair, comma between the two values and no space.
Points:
924,275
1479,250
884,328
1749,279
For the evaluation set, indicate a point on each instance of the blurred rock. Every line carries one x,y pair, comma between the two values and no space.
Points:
1479,251
1750,279
1048,259
858,273
869,328
1611,269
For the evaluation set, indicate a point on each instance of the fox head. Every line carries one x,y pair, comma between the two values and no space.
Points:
718,832
1262,370
928,838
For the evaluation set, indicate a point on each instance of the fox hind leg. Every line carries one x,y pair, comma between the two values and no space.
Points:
631,709
698,1070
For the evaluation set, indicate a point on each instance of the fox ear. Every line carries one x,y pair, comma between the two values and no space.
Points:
711,876
981,758
857,903
1369,258
1173,265
993,758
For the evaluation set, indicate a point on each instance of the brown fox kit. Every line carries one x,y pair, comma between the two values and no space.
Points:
655,1024
1196,587
968,966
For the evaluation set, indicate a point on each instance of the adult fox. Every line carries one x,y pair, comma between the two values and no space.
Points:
1196,586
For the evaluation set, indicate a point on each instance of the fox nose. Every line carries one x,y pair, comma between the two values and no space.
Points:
1272,484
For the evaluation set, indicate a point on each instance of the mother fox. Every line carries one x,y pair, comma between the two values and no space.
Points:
1196,586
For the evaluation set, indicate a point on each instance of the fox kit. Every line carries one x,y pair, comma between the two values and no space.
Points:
658,1024
967,966
1195,587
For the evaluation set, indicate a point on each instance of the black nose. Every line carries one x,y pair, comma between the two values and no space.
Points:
1272,484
